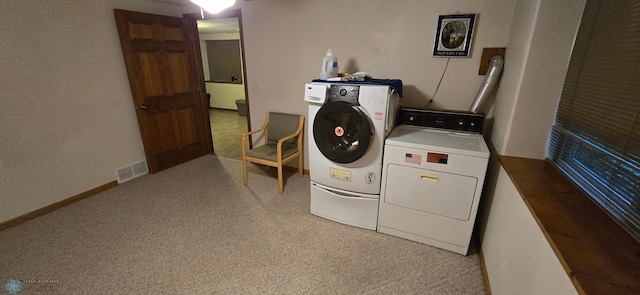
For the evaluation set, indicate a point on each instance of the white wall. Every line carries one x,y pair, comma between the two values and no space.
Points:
224,95
67,114
68,118
285,42
388,39
539,48
518,258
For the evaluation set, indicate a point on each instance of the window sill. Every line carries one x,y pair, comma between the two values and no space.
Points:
224,82
597,254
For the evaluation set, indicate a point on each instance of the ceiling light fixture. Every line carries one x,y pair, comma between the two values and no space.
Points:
214,6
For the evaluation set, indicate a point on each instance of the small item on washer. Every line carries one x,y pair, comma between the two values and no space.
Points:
329,66
358,76
355,77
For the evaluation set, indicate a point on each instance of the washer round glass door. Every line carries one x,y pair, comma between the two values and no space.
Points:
342,132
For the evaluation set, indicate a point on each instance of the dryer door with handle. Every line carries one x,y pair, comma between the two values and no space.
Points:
435,192
342,131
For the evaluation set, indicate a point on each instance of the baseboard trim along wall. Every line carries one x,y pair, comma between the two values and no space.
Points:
54,206
485,276
78,197
295,169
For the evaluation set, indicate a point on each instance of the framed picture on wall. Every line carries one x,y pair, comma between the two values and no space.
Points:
454,34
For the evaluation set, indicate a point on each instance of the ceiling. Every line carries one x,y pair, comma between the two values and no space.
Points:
212,26
178,2
219,25
174,2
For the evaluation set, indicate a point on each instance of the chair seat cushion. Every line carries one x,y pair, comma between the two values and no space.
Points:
268,151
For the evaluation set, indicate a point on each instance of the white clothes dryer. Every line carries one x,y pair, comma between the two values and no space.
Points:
434,169
347,128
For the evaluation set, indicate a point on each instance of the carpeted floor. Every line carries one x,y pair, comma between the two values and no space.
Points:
196,229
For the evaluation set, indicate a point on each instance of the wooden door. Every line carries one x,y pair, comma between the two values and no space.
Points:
168,94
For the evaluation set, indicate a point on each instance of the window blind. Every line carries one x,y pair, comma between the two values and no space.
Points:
596,136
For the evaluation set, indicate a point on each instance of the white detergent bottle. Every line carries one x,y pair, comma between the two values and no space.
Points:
329,66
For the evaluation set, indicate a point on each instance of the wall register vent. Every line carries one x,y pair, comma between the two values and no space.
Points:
132,171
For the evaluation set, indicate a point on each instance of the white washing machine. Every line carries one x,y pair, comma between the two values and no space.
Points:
433,177
348,124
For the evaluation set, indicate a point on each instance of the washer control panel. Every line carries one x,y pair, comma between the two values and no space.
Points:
346,93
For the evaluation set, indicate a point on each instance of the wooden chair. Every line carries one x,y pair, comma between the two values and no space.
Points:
283,143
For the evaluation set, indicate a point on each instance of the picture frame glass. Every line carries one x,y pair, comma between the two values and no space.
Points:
454,34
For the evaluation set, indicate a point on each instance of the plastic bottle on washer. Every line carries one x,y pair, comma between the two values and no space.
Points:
329,66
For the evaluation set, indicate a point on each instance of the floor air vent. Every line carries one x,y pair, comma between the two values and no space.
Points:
132,171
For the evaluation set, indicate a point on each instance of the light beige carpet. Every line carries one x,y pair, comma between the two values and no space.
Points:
196,229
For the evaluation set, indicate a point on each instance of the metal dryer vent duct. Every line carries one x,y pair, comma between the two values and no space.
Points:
491,79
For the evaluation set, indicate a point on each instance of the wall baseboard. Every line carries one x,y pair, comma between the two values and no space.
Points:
31,215
294,169
485,275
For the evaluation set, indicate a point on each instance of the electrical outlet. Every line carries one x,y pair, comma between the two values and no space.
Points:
487,54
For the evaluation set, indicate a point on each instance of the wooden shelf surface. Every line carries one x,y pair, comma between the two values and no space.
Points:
598,255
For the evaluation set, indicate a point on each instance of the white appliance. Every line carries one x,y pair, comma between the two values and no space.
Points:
433,177
347,127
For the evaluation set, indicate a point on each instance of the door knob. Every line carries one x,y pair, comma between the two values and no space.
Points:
142,107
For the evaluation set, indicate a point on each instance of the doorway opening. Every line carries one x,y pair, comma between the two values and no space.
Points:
220,39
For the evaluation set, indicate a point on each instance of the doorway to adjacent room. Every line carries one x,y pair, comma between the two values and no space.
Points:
220,36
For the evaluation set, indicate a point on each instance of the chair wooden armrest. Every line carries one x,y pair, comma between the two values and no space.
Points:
296,133
276,134
246,134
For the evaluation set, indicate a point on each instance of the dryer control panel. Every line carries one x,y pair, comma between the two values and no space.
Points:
346,93
453,120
